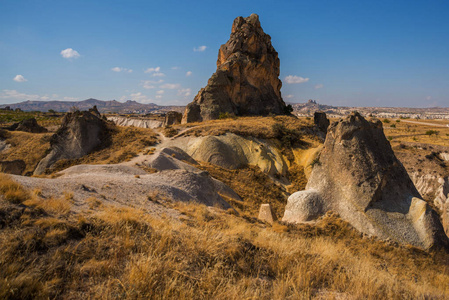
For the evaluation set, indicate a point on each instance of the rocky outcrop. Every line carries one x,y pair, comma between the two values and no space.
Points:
247,78
135,122
28,125
79,134
172,118
15,167
321,121
359,177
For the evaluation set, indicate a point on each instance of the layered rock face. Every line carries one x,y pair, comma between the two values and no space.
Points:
359,177
79,134
247,78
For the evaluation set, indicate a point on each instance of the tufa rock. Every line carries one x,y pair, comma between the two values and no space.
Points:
321,121
15,167
247,78
172,118
359,177
28,125
79,134
266,214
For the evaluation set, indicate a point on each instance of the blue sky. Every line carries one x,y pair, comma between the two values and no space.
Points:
351,53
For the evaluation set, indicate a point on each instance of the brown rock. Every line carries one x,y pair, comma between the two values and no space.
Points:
29,125
247,78
15,167
266,214
321,121
359,177
172,118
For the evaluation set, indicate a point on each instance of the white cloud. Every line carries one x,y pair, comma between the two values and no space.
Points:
15,96
158,96
158,74
151,70
199,49
428,98
174,68
289,96
139,97
70,53
118,69
20,78
184,92
188,73
319,86
170,86
292,79
160,92
150,84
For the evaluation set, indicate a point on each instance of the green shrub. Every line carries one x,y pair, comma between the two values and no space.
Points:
386,121
432,132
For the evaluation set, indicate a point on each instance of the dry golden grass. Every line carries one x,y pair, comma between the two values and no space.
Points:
403,131
11,190
256,187
260,127
29,147
126,143
207,254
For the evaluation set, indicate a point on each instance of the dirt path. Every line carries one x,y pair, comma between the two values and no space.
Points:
425,123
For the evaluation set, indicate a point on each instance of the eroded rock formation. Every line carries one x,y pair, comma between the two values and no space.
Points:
28,125
247,78
359,177
79,134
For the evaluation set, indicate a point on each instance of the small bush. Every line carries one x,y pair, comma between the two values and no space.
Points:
390,138
397,121
226,115
393,125
432,132
386,121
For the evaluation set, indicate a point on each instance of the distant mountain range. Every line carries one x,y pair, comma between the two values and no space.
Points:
112,106
299,109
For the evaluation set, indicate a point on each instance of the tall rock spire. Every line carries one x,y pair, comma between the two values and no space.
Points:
247,78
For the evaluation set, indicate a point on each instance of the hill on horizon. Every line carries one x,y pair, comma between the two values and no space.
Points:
112,106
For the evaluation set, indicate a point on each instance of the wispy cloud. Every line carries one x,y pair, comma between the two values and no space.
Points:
175,68
428,98
118,69
170,86
69,53
199,49
150,84
158,74
160,92
151,70
188,73
20,78
289,96
319,86
184,92
293,79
